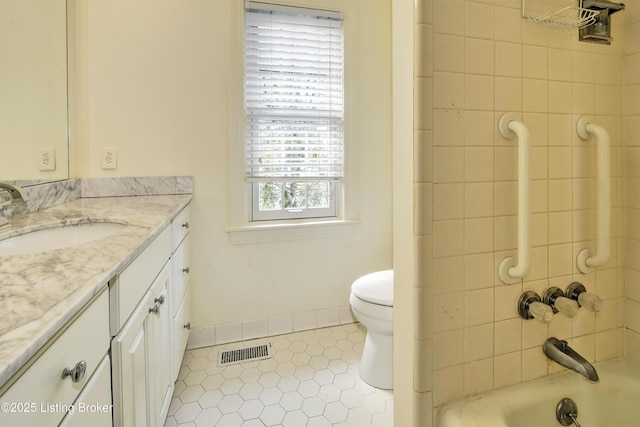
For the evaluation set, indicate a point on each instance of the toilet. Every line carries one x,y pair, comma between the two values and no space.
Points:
372,305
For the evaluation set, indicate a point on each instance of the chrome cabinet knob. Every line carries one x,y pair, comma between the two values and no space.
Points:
155,309
186,270
160,300
185,225
76,373
187,325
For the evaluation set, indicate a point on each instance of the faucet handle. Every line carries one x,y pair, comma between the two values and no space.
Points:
591,301
559,303
576,291
541,312
530,306
567,306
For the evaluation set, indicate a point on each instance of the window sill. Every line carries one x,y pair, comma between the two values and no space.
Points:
283,231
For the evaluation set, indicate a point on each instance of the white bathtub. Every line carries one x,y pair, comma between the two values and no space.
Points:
612,402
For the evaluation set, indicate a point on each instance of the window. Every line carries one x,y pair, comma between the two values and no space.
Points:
294,111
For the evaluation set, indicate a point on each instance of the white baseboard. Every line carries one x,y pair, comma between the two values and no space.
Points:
276,325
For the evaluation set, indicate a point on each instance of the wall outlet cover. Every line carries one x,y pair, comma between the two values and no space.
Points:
109,158
47,159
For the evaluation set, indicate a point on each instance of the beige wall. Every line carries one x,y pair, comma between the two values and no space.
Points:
469,72
153,79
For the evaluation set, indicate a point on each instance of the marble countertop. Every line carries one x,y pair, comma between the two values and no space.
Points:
41,292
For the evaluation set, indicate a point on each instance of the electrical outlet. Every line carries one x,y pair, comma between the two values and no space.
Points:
109,158
47,159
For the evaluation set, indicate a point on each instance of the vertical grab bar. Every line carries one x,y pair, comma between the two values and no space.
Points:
509,271
585,262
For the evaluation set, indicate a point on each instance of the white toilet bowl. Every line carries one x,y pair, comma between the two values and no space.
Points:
372,304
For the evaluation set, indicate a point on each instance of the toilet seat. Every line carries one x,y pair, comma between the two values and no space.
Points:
375,288
371,310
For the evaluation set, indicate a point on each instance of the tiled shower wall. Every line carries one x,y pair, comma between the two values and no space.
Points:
631,104
423,218
476,60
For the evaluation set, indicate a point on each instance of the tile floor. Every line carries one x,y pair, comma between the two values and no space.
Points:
311,380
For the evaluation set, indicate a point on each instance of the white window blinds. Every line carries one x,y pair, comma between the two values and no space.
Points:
293,93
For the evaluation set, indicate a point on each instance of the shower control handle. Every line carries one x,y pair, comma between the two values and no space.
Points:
530,306
576,291
556,299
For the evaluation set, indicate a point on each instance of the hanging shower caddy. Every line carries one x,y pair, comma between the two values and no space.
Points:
591,17
558,13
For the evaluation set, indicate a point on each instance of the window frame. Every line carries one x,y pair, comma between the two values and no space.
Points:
295,213
333,211
240,228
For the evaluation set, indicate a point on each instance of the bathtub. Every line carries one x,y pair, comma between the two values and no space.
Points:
612,402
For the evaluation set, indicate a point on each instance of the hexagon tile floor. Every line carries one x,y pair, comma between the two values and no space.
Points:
311,380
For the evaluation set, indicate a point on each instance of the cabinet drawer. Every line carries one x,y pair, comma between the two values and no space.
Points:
180,325
93,407
180,227
126,291
180,275
42,386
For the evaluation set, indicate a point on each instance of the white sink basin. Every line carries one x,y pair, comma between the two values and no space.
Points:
57,237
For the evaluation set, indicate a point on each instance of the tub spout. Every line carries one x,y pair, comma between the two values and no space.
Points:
560,352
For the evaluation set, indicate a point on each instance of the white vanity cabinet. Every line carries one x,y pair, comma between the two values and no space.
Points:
149,337
142,384
115,361
43,394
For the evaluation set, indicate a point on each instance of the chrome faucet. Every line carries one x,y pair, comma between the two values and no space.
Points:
17,195
560,352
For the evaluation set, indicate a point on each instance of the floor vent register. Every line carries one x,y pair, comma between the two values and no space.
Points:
258,352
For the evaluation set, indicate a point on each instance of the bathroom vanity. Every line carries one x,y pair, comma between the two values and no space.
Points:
93,334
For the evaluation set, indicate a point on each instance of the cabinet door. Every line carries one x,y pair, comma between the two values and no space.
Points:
158,344
130,369
181,325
